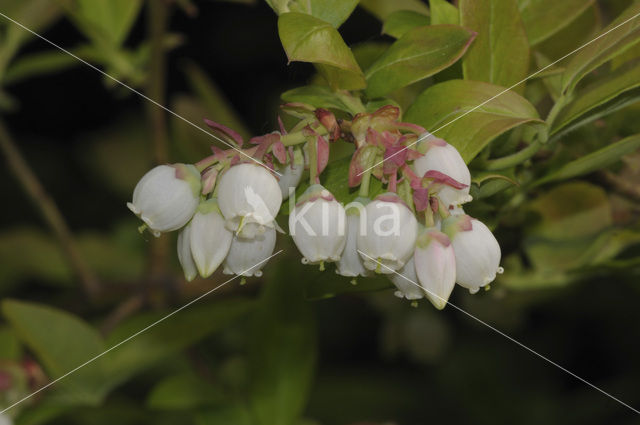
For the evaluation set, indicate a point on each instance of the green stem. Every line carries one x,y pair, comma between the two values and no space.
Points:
366,177
313,160
513,159
49,211
298,137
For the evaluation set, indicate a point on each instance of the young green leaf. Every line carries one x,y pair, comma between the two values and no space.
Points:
586,100
543,18
309,39
400,22
184,391
594,161
282,351
440,109
500,53
109,19
615,39
383,8
443,12
418,54
333,11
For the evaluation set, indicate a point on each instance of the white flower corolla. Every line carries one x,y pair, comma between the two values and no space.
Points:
406,281
291,174
249,198
435,265
5,420
350,263
247,255
476,250
444,158
166,197
317,226
387,239
210,239
184,254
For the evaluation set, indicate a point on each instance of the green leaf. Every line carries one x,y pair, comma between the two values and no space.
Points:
443,12
543,18
605,89
236,414
34,64
367,53
444,109
333,11
383,8
582,30
594,161
500,53
9,345
184,391
318,96
309,39
112,19
62,342
168,337
282,350
400,22
418,54
615,39
571,210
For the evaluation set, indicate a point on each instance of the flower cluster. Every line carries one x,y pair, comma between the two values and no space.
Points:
415,231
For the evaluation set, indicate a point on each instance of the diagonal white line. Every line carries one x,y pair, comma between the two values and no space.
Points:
91,360
505,335
427,134
142,95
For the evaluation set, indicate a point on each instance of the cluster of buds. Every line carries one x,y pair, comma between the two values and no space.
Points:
416,232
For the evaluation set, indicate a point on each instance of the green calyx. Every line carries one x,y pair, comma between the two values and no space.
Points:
209,206
190,174
453,225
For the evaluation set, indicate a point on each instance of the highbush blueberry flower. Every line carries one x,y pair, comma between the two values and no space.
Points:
476,250
184,254
444,158
406,281
435,265
291,174
166,197
246,255
249,198
350,263
388,238
317,225
209,237
5,420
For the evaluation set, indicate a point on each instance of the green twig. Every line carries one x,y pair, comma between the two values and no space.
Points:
49,211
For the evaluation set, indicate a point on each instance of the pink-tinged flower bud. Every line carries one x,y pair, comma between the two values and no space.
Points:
249,198
184,254
247,256
388,239
435,265
291,174
210,239
166,197
406,281
476,250
444,158
317,225
350,263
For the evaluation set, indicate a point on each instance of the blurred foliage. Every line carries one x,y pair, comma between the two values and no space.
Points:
555,170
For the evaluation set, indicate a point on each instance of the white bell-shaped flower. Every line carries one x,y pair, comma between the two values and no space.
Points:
441,156
406,281
247,255
350,263
435,265
210,238
5,419
184,254
249,198
388,239
476,250
291,174
317,226
166,197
